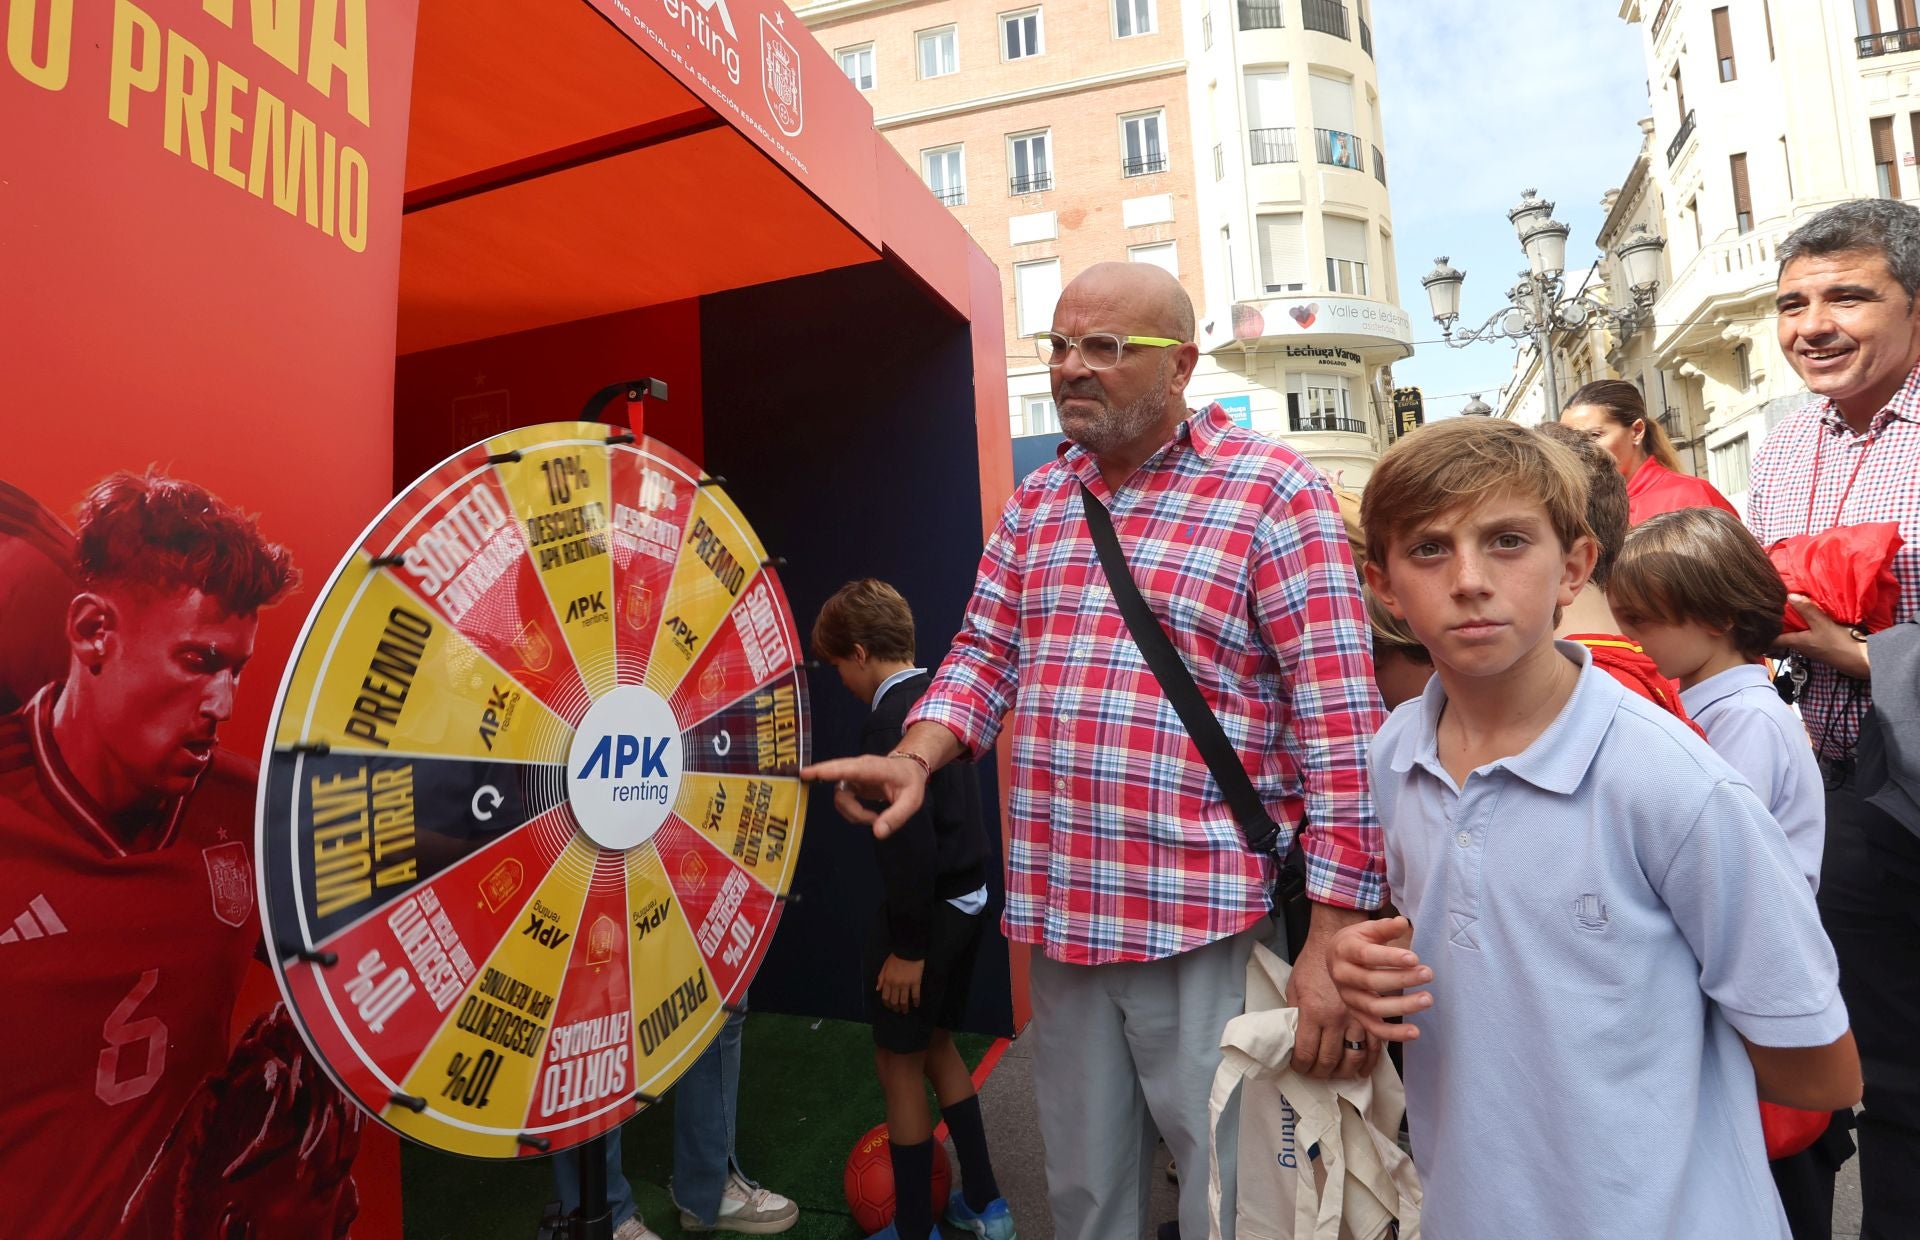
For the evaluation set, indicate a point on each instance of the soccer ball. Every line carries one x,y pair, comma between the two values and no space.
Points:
869,1180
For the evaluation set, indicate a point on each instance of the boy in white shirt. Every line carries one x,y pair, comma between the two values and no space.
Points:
1608,953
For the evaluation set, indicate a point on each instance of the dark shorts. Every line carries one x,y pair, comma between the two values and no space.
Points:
953,942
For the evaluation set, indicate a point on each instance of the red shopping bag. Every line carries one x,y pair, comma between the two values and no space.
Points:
1847,571
1788,1131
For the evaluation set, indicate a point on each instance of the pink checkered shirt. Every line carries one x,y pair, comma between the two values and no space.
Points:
1122,847
1783,488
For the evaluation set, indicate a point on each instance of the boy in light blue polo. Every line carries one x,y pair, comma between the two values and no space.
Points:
1611,951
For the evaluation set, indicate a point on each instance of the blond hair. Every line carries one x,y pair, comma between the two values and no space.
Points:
1456,462
1701,566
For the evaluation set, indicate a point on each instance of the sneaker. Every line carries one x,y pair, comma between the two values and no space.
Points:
993,1223
634,1229
748,1209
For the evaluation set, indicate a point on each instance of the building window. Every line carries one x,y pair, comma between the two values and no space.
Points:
1162,254
1270,128
1036,287
1029,169
1283,254
1335,138
1206,31
1020,34
857,64
1317,402
1743,366
1131,17
1038,416
1786,160
1346,255
1679,97
1742,196
1699,233
1730,462
945,170
1141,148
1766,12
1219,162
1884,160
1723,45
939,52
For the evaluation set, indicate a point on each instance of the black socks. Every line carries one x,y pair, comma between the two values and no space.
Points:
913,1203
969,1133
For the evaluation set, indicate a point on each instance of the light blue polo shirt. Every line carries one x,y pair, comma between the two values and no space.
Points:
1602,912
1760,737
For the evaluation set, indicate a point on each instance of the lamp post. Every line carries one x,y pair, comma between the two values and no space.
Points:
1539,304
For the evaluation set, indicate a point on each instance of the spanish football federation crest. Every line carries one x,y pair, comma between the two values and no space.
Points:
230,881
780,78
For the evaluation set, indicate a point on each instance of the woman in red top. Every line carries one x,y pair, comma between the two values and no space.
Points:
1613,414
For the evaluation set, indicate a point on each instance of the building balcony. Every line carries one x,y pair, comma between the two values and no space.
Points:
1732,271
1366,37
1326,16
1888,42
1680,139
1143,166
1039,182
1262,15
1342,150
1272,146
1379,166
954,197
1304,422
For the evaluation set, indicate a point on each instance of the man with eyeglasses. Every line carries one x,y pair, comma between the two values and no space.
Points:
1125,865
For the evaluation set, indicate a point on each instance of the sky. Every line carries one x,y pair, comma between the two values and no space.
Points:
1480,100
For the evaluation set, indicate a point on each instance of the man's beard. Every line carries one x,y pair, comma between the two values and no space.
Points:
1113,429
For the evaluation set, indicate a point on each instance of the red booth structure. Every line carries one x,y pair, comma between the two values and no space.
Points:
296,251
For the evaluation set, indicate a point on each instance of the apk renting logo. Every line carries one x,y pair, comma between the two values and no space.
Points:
623,767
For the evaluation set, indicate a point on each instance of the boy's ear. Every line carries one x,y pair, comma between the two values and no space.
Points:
1578,566
858,654
1377,582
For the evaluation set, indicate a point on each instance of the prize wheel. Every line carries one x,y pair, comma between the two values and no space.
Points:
531,800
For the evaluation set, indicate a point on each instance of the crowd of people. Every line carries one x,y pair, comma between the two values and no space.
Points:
1643,931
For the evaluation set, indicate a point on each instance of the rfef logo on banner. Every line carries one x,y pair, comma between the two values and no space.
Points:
780,78
623,768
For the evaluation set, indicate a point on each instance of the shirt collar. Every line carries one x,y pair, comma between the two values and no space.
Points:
1559,757
1723,685
1905,405
58,782
1203,429
1646,477
891,681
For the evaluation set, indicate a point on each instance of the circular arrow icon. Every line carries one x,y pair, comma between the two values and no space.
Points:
491,796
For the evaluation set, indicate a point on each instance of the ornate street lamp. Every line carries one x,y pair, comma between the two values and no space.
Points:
1477,408
1539,305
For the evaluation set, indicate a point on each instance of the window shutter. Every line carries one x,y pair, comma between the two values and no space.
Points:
1332,102
1283,254
1346,239
1722,35
1882,139
1742,195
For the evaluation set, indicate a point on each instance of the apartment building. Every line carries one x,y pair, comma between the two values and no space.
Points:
1763,112
1238,145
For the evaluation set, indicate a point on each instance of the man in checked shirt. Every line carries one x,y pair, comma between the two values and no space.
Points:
1125,866
1850,325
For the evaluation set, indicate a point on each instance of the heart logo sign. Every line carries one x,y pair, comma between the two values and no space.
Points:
1305,315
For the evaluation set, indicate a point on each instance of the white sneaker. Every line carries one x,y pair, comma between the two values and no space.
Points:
747,1209
635,1229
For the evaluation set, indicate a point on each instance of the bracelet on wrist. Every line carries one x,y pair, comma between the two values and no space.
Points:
926,767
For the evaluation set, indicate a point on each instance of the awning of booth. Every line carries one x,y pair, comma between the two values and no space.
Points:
567,160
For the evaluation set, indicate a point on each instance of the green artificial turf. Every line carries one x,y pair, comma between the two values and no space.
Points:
807,1093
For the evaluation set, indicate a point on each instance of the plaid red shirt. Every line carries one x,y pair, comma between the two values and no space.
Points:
1787,498
1122,847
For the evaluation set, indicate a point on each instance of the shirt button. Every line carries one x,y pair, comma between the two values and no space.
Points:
1464,839
1060,786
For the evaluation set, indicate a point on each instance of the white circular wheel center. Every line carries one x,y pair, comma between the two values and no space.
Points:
623,768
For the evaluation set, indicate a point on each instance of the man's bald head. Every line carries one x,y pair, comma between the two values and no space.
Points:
1139,292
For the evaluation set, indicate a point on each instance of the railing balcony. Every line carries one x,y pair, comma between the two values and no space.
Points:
1327,422
1143,166
1660,18
954,197
1272,146
1037,183
1888,42
1379,166
1680,139
1342,150
1326,16
1262,15
1366,37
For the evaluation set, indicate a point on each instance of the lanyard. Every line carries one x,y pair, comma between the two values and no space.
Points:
1820,442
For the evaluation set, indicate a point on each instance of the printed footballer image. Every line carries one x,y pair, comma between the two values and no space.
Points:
127,918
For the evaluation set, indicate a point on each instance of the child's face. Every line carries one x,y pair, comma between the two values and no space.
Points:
1479,584
1678,650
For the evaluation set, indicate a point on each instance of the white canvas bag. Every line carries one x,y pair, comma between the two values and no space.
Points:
1318,1159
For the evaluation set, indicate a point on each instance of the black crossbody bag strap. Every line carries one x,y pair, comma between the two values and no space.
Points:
1177,683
